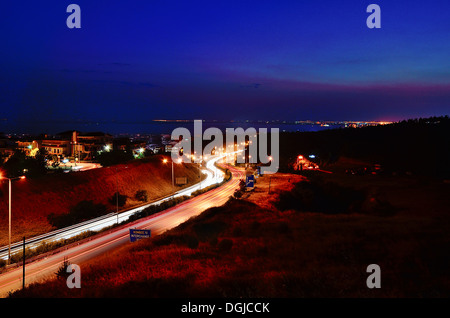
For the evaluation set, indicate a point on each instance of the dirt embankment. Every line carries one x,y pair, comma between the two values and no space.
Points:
34,199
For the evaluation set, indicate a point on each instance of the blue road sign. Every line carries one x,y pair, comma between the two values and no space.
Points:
136,234
250,181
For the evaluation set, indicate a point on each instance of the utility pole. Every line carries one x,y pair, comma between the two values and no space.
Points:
173,184
23,281
9,213
9,208
117,198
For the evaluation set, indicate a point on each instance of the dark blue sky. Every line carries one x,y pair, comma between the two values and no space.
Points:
134,61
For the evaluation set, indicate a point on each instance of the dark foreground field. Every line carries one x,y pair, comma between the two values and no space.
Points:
267,245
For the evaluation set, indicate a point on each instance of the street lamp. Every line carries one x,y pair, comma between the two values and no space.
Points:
173,184
270,177
117,193
9,210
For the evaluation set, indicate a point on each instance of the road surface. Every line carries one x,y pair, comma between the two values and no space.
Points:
213,176
158,223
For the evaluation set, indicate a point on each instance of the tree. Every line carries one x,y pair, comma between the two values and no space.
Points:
239,192
61,273
19,163
113,157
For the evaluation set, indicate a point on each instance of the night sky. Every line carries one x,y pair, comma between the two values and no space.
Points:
134,61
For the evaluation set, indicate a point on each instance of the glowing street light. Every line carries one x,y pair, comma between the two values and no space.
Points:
173,183
9,210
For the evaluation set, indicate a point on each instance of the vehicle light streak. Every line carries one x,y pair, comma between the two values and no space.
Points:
101,243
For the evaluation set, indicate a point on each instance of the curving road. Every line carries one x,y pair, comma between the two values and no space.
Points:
213,176
158,223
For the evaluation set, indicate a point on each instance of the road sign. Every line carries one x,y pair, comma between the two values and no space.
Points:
250,181
181,180
136,234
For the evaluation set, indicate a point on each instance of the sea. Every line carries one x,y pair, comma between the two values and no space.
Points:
117,128
166,127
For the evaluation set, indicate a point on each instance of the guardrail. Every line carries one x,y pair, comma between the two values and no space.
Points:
85,226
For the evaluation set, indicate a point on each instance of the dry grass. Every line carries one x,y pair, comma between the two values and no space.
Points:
34,199
274,254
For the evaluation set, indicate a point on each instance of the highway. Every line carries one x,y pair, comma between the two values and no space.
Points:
104,242
213,175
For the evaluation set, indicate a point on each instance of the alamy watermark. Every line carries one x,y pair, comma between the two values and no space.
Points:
374,279
235,144
74,279
373,21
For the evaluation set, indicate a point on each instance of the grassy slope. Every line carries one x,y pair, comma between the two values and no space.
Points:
283,254
34,199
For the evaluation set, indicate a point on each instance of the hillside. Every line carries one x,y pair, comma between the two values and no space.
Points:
250,248
34,199
415,146
312,235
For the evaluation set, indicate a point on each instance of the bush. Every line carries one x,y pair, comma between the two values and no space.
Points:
141,195
191,241
118,199
239,192
61,273
82,211
206,231
317,196
114,157
225,245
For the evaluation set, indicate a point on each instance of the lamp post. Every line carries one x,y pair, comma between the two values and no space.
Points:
199,171
9,212
270,177
173,183
117,198
117,192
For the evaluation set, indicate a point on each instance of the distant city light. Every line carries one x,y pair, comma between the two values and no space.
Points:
312,156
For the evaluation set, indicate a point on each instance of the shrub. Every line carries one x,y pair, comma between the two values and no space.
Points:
317,196
118,199
206,231
61,273
114,157
225,245
141,195
82,211
190,241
